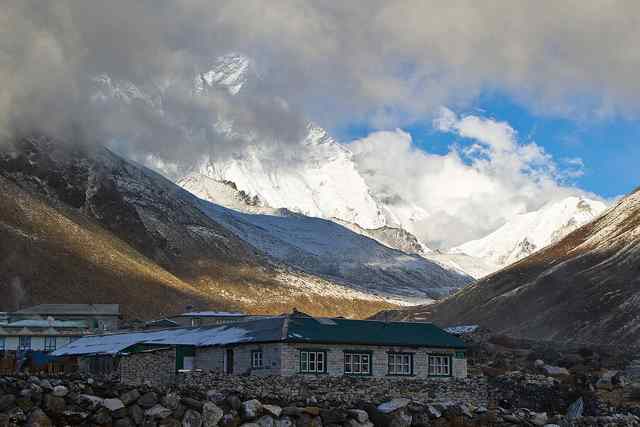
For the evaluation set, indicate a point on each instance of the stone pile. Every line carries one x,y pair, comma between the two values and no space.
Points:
70,401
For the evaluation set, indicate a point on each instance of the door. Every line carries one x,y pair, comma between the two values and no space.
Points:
229,361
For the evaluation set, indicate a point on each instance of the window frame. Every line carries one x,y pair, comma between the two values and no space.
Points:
47,343
349,354
391,362
257,355
3,344
22,347
440,357
307,362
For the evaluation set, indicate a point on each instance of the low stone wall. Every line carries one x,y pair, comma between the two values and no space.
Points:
341,391
151,367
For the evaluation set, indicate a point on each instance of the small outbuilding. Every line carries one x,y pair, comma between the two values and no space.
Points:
294,344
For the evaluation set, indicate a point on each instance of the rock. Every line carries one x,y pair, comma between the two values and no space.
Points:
215,396
123,422
401,419
46,385
292,411
539,363
249,425
211,414
60,391
539,419
129,397
158,412
25,403
555,370
284,422
235,402
54,404
178,413
38,418
102,416
311,410
272,410
265,421
191,419
306,420
6,402
113,404
393,405
334,416
136,413
250,409
231,419
433,412
171,401
359,415
192,403
511,418
169,422
4,420
421,420
89,401
148,400
16,416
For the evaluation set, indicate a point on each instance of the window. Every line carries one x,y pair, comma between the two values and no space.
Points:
313,361
2,344
195,321
440,366
24,343
256,359
357,363
49,343
400,364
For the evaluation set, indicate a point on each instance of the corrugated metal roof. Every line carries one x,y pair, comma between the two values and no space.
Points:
370,332
274,329
212,314
72,309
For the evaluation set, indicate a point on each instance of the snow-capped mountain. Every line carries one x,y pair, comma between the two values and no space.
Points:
530,232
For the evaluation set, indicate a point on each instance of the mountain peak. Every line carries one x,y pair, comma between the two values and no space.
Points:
230,71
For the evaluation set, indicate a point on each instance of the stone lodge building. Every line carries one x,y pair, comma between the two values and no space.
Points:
294,344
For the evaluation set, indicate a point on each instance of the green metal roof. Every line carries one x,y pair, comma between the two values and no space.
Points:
368,332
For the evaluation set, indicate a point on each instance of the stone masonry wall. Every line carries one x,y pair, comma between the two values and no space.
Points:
213,359
380,367
151,367
341,391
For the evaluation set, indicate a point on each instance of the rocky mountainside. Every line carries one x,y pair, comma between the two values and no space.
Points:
256,262
527,233
583,288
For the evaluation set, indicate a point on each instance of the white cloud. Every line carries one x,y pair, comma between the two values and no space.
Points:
467,192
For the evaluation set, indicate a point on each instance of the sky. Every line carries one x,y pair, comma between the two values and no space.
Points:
488,109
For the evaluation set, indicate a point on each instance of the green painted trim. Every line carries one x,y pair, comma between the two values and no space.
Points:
183,351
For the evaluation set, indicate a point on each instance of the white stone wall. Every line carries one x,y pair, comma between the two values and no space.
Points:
213,359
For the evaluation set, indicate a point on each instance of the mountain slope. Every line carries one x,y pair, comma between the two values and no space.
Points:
584,288
527,233
137,239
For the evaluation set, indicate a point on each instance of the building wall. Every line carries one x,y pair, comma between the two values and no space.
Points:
213,359
284,359
150,367
11,342
379,359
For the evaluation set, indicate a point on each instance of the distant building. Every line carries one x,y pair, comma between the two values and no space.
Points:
39,335
294,344
103,317
204,318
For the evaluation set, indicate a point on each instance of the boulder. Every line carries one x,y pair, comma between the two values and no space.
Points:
314,411
102,416
60,391
4,420
393,405
265,421
171,401
359,415
555,370
284,422
334,416
38,418
54,404
231,419
148,400
191,419
6,402
235,402
169,422
129,397
158,412
215,396
16,416
433,412
113,404
123,422
192,403
211,414
539,419
46,385
306,420
250,409
272,410
136,413
89,401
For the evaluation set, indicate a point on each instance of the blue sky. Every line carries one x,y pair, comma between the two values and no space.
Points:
608,147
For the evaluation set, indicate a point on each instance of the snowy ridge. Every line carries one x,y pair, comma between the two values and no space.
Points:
530,232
